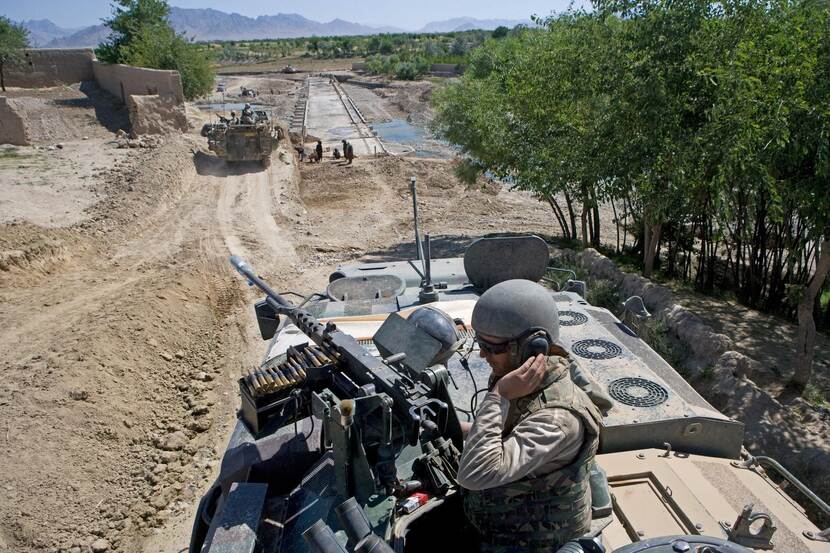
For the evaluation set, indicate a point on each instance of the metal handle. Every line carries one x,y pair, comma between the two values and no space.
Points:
762,460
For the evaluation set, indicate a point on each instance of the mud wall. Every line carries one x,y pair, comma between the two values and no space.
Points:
12,129
123,81
156,114
51,67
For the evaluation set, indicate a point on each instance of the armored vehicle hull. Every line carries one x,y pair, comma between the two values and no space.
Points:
348,441
234,141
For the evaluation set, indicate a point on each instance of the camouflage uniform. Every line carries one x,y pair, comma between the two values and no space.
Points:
540,513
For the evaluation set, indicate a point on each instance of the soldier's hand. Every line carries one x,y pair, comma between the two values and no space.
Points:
524,380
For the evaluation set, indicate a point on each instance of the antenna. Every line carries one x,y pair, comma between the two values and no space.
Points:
428,292
419,250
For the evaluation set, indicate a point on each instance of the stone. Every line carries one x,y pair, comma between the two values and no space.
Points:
173,441
202,424
100,545
166,356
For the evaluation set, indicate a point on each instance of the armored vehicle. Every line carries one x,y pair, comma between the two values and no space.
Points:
235,141
348,439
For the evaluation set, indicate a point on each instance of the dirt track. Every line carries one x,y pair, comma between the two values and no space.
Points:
124,329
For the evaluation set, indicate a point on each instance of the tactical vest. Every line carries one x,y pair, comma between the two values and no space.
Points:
540,514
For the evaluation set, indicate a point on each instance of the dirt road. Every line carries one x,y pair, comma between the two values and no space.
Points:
121,342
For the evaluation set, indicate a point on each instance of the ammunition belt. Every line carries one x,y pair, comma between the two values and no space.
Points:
293,370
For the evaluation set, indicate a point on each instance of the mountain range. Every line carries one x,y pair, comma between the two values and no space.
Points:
210,24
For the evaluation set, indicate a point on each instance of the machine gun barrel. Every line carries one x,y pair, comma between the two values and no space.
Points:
411,399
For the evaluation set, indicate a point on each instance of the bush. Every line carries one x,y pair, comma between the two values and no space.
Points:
656,334
604,293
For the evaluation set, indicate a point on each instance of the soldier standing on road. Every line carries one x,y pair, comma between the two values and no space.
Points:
319,150
349,153
526,461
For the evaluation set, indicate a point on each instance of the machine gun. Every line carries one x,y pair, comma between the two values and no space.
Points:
348,392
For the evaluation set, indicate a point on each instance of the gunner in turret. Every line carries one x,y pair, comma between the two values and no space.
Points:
527,457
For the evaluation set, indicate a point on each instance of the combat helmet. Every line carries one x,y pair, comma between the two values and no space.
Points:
440,326
518,311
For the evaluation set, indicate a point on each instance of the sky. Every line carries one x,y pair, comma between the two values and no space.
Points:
397,13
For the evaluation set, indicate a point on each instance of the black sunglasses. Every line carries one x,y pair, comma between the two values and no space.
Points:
490,347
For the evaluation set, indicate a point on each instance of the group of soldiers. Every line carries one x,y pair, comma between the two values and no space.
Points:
317,155
246,118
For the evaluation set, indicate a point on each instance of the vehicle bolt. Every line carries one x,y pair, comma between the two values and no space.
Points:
681,546
641,456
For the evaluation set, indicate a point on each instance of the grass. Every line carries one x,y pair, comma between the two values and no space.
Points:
815,396
12,153
11,158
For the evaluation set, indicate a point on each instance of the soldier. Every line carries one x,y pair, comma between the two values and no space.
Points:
349,153
527,457
247,115
319,150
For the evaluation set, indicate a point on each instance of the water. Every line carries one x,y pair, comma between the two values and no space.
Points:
400,132
418,139
228,106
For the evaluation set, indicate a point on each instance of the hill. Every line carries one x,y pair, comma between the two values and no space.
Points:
43,31
470,23
210,24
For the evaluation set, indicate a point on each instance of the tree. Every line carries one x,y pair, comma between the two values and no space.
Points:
500,31
130,18
142,36
160,47
13,39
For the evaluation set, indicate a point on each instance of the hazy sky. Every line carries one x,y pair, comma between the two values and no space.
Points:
405,14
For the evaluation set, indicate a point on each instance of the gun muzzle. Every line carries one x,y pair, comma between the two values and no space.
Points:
353,520
321,539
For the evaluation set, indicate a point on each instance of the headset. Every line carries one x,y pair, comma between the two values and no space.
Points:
529,344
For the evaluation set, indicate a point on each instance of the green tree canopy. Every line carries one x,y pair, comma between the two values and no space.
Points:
703,124
13,39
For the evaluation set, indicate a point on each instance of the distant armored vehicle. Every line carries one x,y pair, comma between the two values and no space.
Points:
234,141
249,92
348,438
290,69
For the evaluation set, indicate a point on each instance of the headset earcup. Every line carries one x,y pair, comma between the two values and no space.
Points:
535,344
